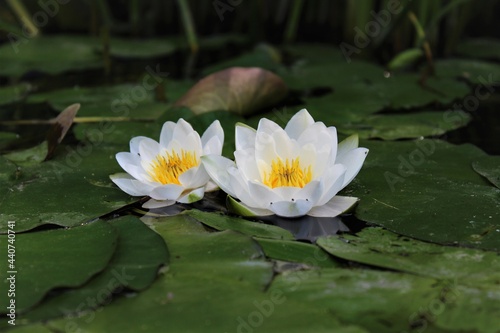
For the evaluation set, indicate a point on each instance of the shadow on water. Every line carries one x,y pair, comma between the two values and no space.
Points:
306,228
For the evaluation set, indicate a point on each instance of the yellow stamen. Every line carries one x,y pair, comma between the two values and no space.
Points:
167,168
288,173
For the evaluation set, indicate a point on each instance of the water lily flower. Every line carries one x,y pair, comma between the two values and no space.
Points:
289,172
169,171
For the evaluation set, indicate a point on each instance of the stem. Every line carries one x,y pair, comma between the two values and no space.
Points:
293,22
23,15
187,20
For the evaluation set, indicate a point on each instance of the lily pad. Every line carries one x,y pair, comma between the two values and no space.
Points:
475,71
298,252
489,167
67,190
482,48
224,222
426,189
134,265
376,300
237,89
13,93
382,248
220,281
50,54
126,101
56,258
408,125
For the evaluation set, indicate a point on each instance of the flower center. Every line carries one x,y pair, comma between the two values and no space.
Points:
166,169
288,173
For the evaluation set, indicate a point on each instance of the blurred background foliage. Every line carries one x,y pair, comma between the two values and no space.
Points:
440,24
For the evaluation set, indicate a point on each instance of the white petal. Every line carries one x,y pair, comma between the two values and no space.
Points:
217,168
213,131
298,124
263,195
192,196
131,163
152,203
167,192
185,138
268,126
166,134
245,161
353,161
213,146
291,208
194,177
149,150
134,144
332,181
241,209
244,137
348,144
336,206
131,186
240,188
334,149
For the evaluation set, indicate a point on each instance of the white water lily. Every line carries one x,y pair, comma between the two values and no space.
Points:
169,171
289,172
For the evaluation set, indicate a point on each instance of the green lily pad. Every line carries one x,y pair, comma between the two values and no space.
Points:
297,252
426,189
36,328
370,299
488,167
475,71
405,91
382,248
134,265
127,101
55,258
482,48
408,125
14,93
377,300
217,278
224,222
50,54
67,190
30,156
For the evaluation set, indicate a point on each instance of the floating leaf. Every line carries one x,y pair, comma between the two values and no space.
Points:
296,252
67,190
382,248
407,125
134,266
474,71
46,260
50,54
217,278
482,48
224,222
489,167
237,89
426,189
13,93
31,156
